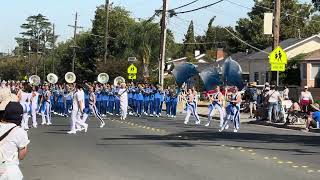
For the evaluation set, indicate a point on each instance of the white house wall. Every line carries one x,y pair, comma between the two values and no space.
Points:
307,47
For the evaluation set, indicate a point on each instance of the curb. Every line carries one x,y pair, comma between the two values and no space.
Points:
264,123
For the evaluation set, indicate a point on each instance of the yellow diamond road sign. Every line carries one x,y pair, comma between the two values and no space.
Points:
278,56
278,67
132,76
132,69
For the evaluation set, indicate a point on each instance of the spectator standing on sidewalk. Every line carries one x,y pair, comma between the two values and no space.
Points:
305,99
285,93
273,97
252,96
13,142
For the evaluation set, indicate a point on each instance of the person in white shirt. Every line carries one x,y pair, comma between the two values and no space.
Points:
92,108
77,110
34,105
216,103
232,111
285,93
46,109
273,97
123,93
13,142
305,99
24,96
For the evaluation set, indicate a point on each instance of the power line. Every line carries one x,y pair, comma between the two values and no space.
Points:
245,41
172,13
270,9
185,5
238,38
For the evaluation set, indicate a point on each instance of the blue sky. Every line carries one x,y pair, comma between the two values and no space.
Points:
61,12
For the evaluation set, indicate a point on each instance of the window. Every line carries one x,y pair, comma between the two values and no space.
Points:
315,71
267,76
256,77
304,71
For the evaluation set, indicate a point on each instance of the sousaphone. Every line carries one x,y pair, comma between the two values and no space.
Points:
52,78
118,80
34,80
70,77
103,78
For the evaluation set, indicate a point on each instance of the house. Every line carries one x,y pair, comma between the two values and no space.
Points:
258,67
309,69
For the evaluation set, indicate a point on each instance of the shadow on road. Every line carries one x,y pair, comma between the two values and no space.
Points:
191,138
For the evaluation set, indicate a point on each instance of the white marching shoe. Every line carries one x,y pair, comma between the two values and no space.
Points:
72,132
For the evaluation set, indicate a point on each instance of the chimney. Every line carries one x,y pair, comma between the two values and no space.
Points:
220,54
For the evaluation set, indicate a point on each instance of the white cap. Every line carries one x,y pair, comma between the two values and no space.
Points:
306,87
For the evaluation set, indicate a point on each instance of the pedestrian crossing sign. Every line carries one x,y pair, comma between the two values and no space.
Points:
132,69
132,76
278,56
278,67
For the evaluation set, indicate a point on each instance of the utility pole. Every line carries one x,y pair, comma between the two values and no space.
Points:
276,28
53,46
107,31
163,40
75,27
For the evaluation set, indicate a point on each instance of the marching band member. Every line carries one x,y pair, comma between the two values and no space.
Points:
111,100
92,108
77,110
117,101
34,106
152,101
104,101
146,99
216,104
233,111
191,107
123,95
46,106
174,103
157,101
98,95
139,100
24,96
168,102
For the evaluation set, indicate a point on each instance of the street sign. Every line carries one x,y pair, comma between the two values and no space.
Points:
132,76
278,67
132,69
132,59
278,56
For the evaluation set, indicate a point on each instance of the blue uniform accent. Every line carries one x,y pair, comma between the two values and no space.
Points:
168,103
139,101
60,102
117,101
111,101
104,102
174,103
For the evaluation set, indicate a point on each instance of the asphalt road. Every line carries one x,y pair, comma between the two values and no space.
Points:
162,148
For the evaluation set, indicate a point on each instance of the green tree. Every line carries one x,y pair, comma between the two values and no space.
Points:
188,47
36,35
316,4
292,74
294,16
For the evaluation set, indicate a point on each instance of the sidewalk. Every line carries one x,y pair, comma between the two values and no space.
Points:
203,112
